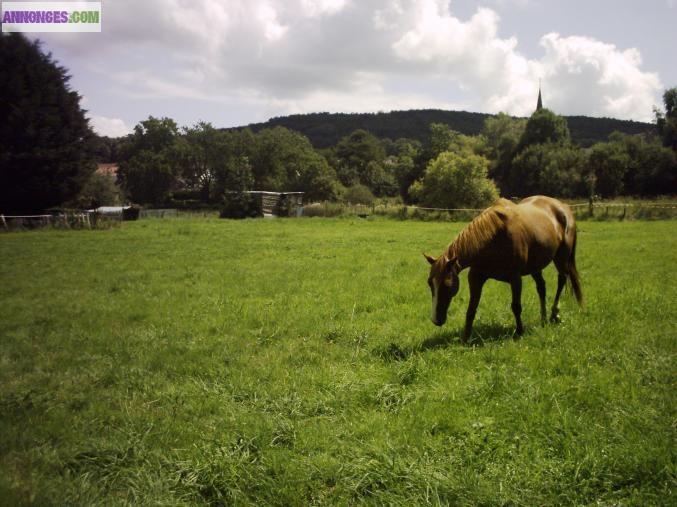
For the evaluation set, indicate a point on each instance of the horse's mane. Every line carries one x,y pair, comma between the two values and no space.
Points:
479,232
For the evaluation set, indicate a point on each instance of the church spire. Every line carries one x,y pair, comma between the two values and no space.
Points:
539,104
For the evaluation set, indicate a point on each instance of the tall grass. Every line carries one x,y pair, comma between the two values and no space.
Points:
292,362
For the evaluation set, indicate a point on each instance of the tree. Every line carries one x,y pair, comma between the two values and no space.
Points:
404,164
237,203
358,194
544,126
652,167
285,160
354,152
656,171
98,190
636,164
236,149
200,150
148,171
549,169
45,140
456,181
501,137
667,123
443,138
608,162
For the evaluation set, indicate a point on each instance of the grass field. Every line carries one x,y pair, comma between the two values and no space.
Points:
292,362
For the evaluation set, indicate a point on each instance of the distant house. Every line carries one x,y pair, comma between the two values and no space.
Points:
107,169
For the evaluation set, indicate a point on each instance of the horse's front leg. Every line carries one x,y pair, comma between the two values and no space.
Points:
476,282
516,286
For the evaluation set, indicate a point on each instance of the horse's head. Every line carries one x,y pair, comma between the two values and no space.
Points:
443,283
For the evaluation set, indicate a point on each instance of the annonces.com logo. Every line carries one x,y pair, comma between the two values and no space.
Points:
51,16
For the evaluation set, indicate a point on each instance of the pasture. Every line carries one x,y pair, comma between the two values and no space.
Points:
292,362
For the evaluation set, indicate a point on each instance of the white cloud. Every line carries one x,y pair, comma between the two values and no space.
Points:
111,127
586,76
304,55
317,8
580,74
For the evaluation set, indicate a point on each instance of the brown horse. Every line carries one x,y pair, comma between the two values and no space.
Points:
506,242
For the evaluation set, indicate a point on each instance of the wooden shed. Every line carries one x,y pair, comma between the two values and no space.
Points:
279,204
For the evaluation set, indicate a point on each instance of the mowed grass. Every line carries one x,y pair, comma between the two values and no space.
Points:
293,362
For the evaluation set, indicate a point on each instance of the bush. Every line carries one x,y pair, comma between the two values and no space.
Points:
131,213
240,205
456,181
359,194
548,169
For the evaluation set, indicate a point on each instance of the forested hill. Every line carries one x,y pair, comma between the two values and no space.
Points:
325,129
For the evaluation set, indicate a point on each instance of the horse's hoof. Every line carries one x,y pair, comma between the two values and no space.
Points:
555,319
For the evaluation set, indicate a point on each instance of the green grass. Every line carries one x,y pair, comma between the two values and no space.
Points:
292,362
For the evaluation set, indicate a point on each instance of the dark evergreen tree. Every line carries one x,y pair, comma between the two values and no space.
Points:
45,140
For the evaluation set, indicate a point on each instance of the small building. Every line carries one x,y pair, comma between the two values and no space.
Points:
279,204
120,212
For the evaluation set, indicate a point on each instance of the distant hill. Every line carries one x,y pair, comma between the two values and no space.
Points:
325,129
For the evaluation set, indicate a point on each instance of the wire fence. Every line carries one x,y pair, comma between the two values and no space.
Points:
597,210
70,220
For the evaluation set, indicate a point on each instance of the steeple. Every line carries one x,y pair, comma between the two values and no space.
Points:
539,104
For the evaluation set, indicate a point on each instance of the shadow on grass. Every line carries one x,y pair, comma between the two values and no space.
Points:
492,333
482,335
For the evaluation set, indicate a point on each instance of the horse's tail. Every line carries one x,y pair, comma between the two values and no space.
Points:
574,278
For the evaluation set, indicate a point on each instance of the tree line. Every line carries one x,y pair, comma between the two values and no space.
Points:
160,163
326,129
48,154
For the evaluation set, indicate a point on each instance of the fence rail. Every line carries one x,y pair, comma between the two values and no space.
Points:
598,209
67,220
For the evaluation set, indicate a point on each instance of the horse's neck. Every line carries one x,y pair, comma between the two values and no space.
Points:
472,241
459,250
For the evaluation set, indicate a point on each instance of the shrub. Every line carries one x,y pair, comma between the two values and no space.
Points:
131,213
358,194
240,205
456,181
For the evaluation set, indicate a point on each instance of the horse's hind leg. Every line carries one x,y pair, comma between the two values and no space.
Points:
540,288
561,282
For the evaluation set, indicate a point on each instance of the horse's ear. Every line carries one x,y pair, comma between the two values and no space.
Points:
430,259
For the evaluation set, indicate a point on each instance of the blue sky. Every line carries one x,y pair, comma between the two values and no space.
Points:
236,62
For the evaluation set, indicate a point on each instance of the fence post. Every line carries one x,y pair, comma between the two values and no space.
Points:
591,206
4,222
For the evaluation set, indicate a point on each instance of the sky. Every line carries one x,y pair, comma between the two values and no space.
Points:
235,62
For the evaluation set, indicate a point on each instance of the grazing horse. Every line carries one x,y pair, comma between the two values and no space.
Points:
506,242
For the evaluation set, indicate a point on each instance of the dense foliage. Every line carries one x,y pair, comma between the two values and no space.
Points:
163,164
456,181
325,129
667,122
45,153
